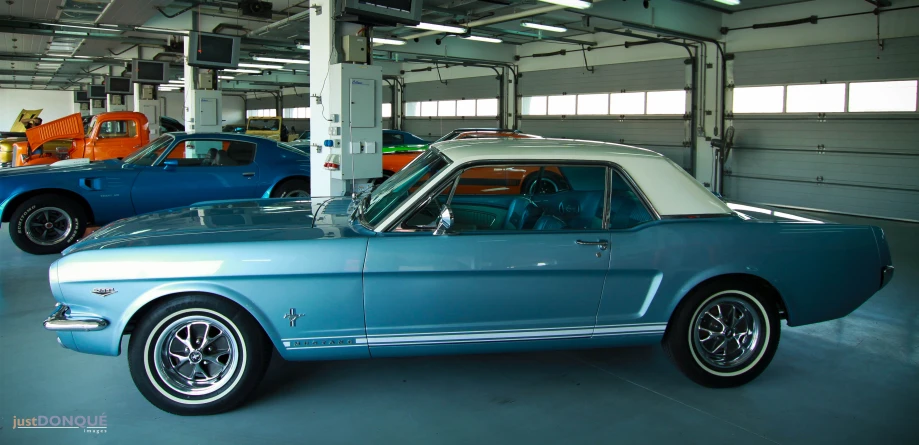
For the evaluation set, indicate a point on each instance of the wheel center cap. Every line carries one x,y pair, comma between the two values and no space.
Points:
194,357
49,225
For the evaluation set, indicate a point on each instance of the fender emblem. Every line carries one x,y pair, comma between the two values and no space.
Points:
104,291
293,316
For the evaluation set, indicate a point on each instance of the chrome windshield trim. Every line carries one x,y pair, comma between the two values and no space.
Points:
59,321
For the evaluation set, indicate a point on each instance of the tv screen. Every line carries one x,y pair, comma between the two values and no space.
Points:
149,71
213,50
401,5
97,91
80,96
118,85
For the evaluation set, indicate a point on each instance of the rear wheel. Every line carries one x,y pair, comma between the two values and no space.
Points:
47,224
197,354
292,188
724,333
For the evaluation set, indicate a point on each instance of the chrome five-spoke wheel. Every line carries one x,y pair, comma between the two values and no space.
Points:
725,332
48,226
196,355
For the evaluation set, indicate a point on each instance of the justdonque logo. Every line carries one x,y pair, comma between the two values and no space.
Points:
89,424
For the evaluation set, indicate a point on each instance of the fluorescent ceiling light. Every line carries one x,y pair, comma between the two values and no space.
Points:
180,82
150,28
441,28
49,59
58,55
225,77
382,41
729,2
84,57
303,46
544,27
239,70
71,33
577,4
483,39
259,65
276,60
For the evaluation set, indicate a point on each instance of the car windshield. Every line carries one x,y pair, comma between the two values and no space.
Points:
268,124
147,154
402,185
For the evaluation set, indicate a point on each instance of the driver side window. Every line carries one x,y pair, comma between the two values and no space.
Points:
521,197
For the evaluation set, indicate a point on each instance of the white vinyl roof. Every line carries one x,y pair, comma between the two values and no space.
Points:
667,186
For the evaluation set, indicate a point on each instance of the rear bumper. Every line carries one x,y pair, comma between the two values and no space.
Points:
59,320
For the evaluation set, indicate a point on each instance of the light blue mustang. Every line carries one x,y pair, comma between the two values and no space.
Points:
49,207
482,246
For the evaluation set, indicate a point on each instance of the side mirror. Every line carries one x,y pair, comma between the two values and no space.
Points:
170,164
444,222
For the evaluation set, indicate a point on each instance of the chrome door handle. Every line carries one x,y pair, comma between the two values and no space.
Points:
602,244
249,174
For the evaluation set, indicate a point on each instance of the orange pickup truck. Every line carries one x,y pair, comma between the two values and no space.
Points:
109,135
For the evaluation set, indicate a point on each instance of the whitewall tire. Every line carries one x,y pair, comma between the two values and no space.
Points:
724,333
197,354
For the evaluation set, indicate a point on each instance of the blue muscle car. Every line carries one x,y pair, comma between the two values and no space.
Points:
49,207
457,253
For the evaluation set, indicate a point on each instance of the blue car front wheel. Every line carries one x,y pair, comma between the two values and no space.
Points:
47,224
197,354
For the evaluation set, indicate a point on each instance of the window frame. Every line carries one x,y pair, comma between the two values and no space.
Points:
452,179
175,143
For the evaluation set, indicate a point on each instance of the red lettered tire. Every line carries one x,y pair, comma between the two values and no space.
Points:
47,224
724,333
198,355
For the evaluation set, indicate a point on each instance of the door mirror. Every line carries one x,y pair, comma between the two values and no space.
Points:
445,221
170,164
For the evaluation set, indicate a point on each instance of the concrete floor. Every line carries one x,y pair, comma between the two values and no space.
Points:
854,380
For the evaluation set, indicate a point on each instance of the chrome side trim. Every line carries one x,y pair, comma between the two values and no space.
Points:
59,321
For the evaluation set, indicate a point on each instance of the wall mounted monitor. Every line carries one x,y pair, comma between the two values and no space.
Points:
81,97
149,71
213,50
381,12
118,85
96,91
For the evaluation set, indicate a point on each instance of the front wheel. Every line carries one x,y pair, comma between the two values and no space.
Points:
47,224
724,334
197,354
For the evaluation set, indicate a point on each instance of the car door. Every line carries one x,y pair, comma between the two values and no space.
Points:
509,272
115,139
195,170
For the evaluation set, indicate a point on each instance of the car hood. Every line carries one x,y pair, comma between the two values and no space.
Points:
227,222
60,168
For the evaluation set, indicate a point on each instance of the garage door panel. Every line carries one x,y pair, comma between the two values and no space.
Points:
898,133
891,204
435,128
468,88
866,170
639,76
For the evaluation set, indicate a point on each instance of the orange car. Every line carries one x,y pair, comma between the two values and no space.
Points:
395,161
110,135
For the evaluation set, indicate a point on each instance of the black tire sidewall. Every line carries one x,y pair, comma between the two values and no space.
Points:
680,348
530,179
32,205
254,352
288,185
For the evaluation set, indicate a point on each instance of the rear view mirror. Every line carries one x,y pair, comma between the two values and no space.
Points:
445,221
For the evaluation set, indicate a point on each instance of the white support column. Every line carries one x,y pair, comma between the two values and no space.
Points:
510,98
354,133
203,101
709,122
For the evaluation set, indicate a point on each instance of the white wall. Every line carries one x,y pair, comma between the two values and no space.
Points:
233,112
54,104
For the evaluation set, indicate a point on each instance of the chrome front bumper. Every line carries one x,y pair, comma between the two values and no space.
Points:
59,321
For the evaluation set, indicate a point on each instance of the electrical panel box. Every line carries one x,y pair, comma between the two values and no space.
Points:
358,137
150,109
147,92
206,79
203,114
116,103
355,49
